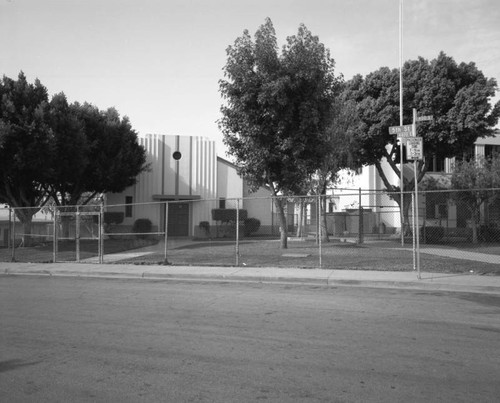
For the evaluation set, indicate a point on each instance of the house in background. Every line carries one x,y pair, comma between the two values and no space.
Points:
436,209
440,210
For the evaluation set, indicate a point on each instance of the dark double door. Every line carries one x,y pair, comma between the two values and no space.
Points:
178,219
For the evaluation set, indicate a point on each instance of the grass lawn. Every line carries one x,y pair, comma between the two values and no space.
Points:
305,254
44,253
381,255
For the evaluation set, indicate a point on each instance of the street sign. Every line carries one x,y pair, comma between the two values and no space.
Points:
415,148
406,135
400,129
425,118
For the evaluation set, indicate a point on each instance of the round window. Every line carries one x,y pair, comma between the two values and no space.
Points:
177,155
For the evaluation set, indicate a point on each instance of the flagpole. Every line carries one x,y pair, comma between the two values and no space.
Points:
401,116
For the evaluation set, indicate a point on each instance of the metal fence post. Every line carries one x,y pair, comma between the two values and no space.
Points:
9,240
320,230
77,233
165,259
54,237
360,220
101,233
13,256
237,246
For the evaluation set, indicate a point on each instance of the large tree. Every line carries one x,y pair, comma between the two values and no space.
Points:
25,140
60,152
277,109
456,95
96,152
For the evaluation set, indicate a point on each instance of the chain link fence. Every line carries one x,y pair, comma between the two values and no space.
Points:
458,231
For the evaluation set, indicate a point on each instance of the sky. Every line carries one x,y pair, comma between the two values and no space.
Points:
159,62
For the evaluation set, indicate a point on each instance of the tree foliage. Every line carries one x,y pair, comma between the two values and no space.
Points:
60,152
25,139
277,109
105,154
456,95
473,181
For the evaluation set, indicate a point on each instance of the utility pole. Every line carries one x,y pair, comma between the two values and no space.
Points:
401,182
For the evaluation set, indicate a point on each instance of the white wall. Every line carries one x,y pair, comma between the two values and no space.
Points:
193,176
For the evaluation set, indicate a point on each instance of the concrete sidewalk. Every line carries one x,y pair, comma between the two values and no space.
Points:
330,278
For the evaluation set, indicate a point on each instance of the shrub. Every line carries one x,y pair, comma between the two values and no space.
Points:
113,217
489,233
141,227
251,225
110,217
227,215
432,234
205,226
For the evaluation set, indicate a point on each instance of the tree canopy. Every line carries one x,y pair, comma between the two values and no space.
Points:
103,152
456,95
277,108
50,150
25,140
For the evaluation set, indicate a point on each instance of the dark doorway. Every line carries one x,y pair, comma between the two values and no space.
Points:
178,219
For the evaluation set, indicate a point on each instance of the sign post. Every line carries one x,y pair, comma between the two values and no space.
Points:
414,149
403,132
416,154
407,134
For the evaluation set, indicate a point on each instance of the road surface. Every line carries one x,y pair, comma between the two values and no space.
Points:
82,340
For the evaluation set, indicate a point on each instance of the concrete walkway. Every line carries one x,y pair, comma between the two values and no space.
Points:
458,254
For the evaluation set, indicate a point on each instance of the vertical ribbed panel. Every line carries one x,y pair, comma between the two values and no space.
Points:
196,173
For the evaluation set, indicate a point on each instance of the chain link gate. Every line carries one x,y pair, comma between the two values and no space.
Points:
74,232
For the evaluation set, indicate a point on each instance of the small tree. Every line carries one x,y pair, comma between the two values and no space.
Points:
342,154
474,181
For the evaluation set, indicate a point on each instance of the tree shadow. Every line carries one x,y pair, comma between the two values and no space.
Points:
10,365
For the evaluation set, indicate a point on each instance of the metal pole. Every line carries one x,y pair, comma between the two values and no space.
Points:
415,163
54,237
9,240
101,232
99,250
165,248
77,233
401,116
414,253
360,220
13,258
319,232
237,232
417,230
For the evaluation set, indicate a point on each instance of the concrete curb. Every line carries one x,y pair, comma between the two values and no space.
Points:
326,278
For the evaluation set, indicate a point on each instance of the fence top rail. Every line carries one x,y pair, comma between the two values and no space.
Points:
95,209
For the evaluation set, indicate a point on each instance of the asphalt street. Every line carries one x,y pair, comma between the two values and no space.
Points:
102,340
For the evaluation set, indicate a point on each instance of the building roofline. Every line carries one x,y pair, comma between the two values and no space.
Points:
226,162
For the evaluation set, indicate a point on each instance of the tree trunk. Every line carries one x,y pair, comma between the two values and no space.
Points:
25,216
280,207
323,222
395,194
474,223
300,223
406,224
